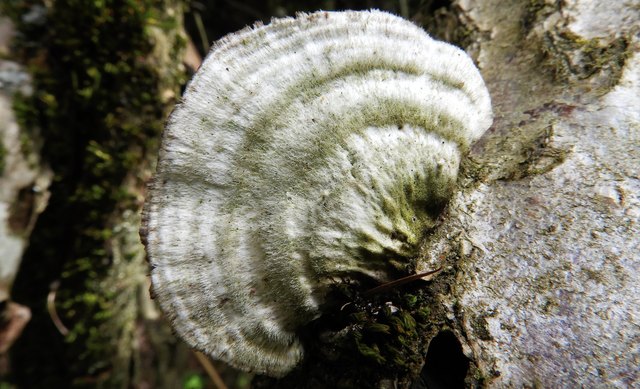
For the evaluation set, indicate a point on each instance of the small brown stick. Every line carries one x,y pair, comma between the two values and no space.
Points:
51,307
13,319
401,281
211,370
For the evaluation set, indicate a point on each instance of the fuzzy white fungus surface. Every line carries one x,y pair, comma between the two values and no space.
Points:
306,150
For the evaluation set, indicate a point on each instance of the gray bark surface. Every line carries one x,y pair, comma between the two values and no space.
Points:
546,290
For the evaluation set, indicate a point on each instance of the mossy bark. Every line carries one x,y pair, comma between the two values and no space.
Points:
105,75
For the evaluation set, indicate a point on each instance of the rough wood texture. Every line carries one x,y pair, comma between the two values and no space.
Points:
24,178
104,74
24,181
546,291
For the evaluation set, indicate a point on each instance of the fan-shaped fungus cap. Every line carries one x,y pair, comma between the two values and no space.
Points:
310,149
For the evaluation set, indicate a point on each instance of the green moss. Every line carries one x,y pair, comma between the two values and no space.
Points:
536,155
534,11
569,57
530,151
97,106
481,328
364,338
26,115
572,57
3,155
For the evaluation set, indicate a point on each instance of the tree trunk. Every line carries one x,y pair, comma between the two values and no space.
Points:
104,76
546,289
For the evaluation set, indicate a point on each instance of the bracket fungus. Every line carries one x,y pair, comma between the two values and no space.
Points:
304,151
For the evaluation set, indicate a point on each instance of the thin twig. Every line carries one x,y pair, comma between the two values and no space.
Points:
401,281
211,370
204,40
404,8
51,307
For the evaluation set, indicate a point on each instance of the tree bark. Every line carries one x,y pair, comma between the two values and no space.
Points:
104,77
546,292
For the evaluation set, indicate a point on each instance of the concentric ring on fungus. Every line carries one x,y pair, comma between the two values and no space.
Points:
303,151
